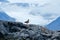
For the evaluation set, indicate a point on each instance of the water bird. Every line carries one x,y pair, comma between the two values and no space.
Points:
27,21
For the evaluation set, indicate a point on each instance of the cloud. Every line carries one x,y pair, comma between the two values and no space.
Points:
52,7
3,1
40,15
22,14
24,5
29,1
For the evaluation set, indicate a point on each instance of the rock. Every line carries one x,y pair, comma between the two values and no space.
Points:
56,35
15,29
3,29
20,31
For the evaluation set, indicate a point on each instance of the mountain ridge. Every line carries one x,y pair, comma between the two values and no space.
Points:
55,25
5,17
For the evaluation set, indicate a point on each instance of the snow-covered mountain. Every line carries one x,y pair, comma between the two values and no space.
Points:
55,25
5,17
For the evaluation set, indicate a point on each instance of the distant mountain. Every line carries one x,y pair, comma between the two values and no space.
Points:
4,16
55,25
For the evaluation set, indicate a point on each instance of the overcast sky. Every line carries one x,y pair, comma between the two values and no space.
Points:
47,10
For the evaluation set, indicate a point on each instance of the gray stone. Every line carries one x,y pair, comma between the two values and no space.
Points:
20,31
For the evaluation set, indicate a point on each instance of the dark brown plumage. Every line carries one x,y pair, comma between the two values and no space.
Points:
27,21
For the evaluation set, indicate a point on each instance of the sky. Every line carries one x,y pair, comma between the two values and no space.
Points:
28,1
44,13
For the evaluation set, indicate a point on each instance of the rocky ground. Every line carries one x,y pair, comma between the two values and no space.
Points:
20,31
